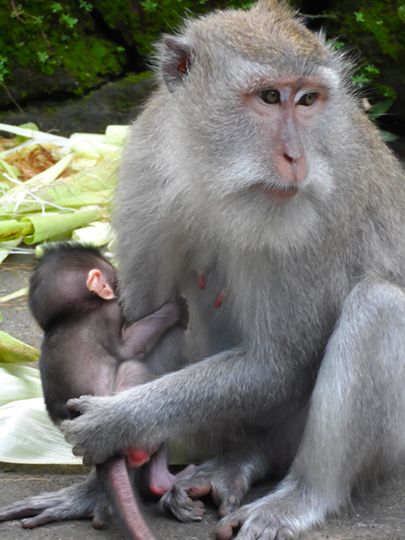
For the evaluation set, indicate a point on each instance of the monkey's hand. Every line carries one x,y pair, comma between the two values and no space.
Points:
224,479
83,500
105,427
86,432
282,515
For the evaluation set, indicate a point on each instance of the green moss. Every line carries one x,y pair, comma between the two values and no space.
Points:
120,15
376,30
384,24
135,78
49,35
62,36
377,24
88,60
142,22
385,91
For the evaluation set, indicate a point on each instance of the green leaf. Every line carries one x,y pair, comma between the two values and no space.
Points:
7,247
387,136
380,107
27,435
16,294
15,351
56,7
97,234
18,382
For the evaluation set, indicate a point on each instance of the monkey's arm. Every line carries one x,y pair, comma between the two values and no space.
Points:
142,336
197,398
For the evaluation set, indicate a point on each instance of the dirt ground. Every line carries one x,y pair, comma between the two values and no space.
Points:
377,515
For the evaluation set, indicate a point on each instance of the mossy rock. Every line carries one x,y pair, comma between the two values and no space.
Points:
63,49
52,47
47,47
116,102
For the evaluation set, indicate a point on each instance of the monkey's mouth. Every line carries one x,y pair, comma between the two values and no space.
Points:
278,194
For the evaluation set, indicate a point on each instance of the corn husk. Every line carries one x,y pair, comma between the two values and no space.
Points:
98,234
13,350
8,247
53,224
51,204
14,295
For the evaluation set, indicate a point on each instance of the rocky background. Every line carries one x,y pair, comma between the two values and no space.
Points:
80,65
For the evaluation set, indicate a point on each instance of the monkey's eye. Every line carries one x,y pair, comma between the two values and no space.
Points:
270,96
308,99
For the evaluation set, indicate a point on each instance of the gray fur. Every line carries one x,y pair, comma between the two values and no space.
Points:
311,366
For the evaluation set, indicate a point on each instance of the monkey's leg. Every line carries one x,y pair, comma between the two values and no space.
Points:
83,500
356,420
161,479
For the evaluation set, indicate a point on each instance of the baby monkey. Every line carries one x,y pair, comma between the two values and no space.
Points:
89,349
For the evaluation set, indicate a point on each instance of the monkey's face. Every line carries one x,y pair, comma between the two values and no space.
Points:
256,102
255,152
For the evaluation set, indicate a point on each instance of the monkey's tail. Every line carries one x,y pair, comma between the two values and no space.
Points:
114,479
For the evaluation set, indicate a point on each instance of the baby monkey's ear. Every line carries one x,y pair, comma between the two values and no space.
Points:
97,283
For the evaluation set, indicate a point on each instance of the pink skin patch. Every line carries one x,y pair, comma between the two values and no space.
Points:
161,480
201,285
220,299
137,457
201,280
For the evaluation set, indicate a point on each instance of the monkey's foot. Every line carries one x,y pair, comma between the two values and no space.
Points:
226,485
161,480
281,515
83,500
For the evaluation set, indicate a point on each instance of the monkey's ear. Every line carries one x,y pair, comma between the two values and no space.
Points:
176,60
97,284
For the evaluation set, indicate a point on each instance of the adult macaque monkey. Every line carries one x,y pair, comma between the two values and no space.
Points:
254,161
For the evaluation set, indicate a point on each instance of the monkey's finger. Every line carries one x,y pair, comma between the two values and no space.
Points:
18,510
80,405
198,504
68,428
229,505
185,471
229,526
182,506
87,460
226,532
283,534
100,519
199,490
47,516
197,509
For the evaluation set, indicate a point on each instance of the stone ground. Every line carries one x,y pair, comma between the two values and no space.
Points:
377,515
